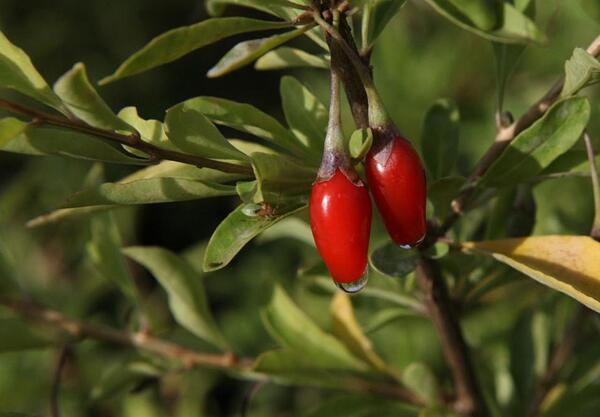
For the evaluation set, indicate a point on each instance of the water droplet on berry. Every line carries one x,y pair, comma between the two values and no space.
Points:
354,286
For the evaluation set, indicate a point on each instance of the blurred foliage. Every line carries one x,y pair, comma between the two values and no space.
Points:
511,323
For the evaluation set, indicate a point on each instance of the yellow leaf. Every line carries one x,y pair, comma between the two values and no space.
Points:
570,264
347,329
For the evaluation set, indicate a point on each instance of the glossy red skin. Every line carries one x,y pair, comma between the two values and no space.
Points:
340,219
400,191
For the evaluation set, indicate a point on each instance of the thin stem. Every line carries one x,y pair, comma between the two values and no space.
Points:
595,233
132,140
189,358
469,399
503,138
377,115
56,381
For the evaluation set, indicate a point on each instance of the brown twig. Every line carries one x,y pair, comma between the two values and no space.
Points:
504,137
469,399
561,354
595,232
189,358
133,140
56,380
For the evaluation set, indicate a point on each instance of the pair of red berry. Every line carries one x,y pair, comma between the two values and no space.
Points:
340,207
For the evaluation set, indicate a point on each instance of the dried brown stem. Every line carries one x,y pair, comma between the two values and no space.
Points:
469,399
189,358
505,136
132,140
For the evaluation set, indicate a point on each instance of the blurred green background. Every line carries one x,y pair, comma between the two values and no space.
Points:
420,58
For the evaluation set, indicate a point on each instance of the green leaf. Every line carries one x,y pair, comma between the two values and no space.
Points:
506,58
347,329
148,191
360,143
376,15
78,94
277,174
278,8
391,260
286,57
291,227
516,27
238,229
104,250
11,414
192,132
247,52
591,8
295,331
581,70
441,192
439,143
18,73
151,131
419,378
17,335
306,116
177,42
484,14
32,140
122,376
187,299
535,148
247,119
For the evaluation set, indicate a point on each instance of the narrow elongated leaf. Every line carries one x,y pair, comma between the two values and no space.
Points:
247,52
347,329
439,141
20,137
104,250
151,131
306,116
18,73
294,330
421,379
192,132
122,376
363,406
484,14
149,178
148,191
78,94
177,42
376,15
275,7
277,174
248,119
565,263
516,27
183,285
286,57
535,148
581,70
238,229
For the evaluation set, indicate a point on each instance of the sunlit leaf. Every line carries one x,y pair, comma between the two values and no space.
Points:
360,143
192,132
151,131
306,116
294,330
286,57
565,263
18,73
78,94
247,52
277,174
183,285
581,70
238,229
177,42
348,330
535,148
